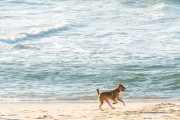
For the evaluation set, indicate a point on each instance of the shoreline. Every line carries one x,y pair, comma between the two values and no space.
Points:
154,110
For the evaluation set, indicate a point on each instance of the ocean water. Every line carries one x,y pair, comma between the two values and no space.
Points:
53,50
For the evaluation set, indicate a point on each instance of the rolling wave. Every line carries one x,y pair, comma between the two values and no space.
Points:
33,35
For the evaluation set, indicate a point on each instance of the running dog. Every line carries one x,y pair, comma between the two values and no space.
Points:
113,95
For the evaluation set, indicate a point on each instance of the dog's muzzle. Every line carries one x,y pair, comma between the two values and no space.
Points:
123,89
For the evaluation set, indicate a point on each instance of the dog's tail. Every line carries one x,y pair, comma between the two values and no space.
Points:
97,90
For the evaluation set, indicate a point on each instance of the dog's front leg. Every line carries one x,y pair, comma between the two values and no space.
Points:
109,104
121,101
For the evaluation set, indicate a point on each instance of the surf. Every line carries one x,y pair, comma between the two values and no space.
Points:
22,37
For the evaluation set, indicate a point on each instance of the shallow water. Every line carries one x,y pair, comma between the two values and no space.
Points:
52,50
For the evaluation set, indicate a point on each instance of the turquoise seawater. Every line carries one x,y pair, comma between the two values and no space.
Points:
65,49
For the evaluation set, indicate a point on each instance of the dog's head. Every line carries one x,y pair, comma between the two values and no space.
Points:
121,87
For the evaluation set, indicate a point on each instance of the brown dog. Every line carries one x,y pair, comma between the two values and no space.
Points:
113,95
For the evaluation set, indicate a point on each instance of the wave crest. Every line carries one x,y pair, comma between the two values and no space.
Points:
32,35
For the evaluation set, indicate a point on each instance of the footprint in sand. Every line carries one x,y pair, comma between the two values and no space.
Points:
44,111
27,116
44,117
11,114
172,110
65,115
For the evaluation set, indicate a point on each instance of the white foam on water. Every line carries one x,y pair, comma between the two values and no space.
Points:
34,34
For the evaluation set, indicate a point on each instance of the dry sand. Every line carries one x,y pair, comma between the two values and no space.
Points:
90,111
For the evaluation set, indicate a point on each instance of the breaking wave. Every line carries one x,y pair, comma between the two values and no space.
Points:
21,37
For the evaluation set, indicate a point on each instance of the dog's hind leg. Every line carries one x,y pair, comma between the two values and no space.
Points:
109,104
101,103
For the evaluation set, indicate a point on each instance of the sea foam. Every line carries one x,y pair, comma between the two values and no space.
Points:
21,37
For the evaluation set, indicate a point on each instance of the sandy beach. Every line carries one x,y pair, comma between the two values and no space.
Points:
90,111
